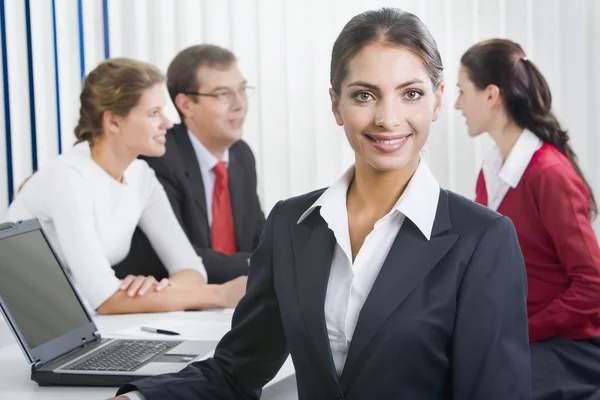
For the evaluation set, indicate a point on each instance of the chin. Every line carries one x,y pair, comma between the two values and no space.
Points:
235,135
387,164
155,151
474,133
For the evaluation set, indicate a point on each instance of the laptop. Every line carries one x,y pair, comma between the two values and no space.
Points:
55,331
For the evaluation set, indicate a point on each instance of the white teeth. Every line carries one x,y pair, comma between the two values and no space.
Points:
391,142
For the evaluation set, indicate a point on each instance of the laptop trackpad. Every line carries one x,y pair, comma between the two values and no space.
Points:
176,358
193,348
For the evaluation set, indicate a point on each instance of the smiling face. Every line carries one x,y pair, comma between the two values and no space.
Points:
217,118
143,129
386,106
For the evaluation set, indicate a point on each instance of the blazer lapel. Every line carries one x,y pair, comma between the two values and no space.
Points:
314,245
236,188
410,259
191,165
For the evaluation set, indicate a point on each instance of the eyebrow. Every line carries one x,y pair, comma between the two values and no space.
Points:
374,87
228,88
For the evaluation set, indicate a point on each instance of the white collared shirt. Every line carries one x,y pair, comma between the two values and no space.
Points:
500,178
207,161
350,283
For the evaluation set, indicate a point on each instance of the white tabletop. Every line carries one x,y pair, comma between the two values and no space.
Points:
16,383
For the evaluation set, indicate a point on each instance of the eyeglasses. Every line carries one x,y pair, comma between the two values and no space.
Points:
227,96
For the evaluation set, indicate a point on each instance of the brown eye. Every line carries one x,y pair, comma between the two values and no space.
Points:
363,96
412,95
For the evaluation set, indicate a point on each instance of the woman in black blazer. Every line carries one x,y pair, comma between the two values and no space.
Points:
383,286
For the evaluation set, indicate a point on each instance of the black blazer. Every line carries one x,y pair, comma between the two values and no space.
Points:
179,172
446,318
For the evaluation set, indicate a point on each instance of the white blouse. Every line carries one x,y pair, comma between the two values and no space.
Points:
89,219
350,283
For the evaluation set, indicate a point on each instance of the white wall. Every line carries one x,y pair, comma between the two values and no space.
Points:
284,49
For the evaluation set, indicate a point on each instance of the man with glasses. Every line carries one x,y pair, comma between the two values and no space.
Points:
208,172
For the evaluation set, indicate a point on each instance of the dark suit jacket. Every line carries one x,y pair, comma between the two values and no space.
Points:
446,318
179,172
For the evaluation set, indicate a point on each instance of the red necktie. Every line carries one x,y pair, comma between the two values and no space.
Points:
223,233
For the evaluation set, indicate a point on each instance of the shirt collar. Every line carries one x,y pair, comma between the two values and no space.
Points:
205,158
418,202
517,161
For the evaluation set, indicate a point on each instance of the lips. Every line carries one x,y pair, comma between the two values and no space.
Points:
235,122
388,143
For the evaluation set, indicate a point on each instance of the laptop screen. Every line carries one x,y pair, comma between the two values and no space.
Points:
35,291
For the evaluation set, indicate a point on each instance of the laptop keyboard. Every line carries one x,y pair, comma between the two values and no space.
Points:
123,355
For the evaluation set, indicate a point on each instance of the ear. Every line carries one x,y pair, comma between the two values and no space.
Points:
335,107
182,102
492,96
111,122
439,94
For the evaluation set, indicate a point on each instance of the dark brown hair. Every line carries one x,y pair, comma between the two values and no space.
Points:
182,72
388,26
115,85
525,93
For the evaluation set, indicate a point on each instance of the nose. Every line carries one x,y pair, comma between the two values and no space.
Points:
457,104
387,115
166,122
239,101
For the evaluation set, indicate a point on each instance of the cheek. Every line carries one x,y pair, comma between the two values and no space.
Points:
217,116
357,119
420,118
472,106
143,131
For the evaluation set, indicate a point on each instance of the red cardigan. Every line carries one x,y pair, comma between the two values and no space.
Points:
551,209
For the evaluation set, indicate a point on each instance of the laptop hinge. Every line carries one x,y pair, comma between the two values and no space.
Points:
83,344
94,338
91,339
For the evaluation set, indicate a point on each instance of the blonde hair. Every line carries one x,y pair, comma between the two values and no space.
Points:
115,85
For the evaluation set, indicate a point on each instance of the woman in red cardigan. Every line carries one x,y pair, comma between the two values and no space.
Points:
532,176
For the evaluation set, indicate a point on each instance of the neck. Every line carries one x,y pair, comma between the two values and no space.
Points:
376,192
111,158
216,149
506,134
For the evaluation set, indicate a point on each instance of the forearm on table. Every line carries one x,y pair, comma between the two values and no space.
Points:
187,276
184,296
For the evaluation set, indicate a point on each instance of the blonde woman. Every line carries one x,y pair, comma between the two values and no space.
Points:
90,199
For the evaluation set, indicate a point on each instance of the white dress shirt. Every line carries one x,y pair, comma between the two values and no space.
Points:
350,283
207,162
500,178
89,219
135,395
